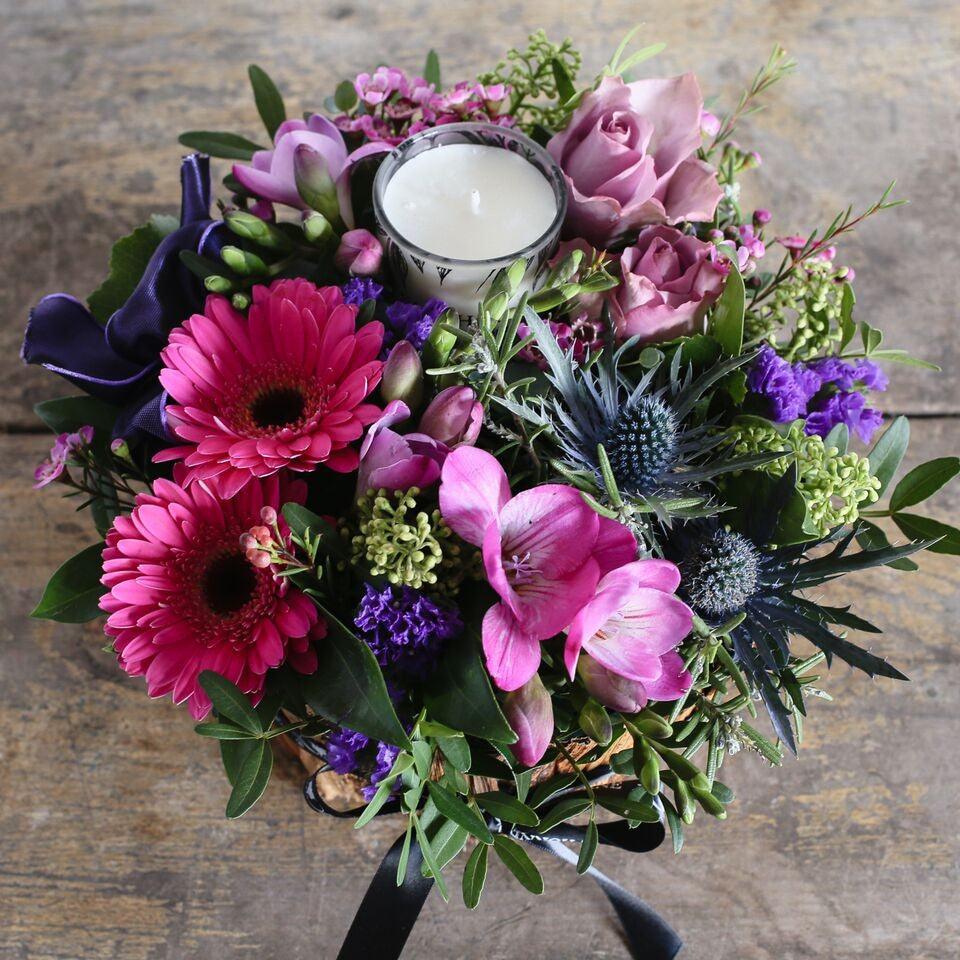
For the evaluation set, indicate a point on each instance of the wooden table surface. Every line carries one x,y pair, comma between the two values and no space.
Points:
112,839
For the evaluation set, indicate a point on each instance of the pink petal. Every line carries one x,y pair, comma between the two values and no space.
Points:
530,713
512,655
615,545
473,491
673,681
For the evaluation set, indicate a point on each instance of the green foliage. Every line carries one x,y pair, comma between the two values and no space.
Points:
726,321
73,593
227,146
128,261
348,687
268,99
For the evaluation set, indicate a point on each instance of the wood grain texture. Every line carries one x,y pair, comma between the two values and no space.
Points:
93,94
112,837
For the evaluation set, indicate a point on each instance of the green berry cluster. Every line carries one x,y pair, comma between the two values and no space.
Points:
408,546
834,484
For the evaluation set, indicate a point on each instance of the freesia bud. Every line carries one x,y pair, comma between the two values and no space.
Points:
709,123
314,183
317,229
359,253
453,417
259,558
617,693
268,515
403,375
529,712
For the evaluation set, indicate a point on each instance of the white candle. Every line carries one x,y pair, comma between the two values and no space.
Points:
467,201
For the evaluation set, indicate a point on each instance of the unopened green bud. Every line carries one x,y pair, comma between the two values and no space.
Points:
710,803
217,284
240,301
242,262
595,722
317,229
251,227
314,183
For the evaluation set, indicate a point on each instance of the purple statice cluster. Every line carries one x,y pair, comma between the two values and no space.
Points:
824,392
405,628
411,321
64,447
345,750
396,105
357,290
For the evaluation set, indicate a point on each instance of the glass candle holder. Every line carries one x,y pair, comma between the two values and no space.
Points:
419,274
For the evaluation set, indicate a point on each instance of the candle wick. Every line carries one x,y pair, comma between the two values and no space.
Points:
475,202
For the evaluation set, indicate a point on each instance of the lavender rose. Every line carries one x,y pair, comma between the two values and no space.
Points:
629,157
669,282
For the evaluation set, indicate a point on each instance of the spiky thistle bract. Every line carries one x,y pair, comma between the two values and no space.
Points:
730,571
661,450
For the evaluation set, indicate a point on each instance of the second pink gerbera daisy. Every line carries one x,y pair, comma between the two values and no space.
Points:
281,388
182,597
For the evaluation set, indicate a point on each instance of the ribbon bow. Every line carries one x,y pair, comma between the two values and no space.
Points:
119,363
388,913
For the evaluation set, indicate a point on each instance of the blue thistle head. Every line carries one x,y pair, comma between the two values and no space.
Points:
641,444
720,572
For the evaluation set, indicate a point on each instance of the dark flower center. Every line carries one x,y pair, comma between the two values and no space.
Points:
720,573
277,407
641,444
228,583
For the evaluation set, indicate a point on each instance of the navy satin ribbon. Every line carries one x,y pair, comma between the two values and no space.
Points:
388,913
119,363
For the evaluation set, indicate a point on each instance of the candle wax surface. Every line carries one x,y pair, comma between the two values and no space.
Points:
469,202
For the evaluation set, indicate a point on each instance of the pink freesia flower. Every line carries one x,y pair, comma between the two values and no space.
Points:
543,550
270,174
669,282
632,627
394,461
359,253
629,157
529,711
281,388
182,598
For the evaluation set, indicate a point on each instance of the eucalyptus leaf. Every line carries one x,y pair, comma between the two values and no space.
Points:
923,481
267,98
507,808
588,849
563,810
431,70
518,862
925,528
475,875
429,857
230,702
457,751
252,780
888,451
73,593
68,414
226,146
453,808
223,731
345,96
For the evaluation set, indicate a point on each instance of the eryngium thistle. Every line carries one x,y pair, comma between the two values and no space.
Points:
642,443
720,573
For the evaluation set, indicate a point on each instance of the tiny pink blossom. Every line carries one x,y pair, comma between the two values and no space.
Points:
374,88
762,216
793,242
709,123
359,253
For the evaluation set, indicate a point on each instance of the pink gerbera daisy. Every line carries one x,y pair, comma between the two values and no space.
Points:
182,597
282,388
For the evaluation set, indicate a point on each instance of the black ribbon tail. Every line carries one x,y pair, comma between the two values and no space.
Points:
648,935
388,913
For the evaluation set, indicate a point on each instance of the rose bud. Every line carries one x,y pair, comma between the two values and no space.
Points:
359,253
403,375
530,714
453,417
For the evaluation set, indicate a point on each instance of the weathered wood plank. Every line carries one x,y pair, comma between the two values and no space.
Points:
113,844
92,95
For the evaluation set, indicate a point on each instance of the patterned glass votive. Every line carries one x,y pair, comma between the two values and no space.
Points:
471,210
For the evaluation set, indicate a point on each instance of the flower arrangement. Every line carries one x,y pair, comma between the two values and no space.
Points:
496,569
